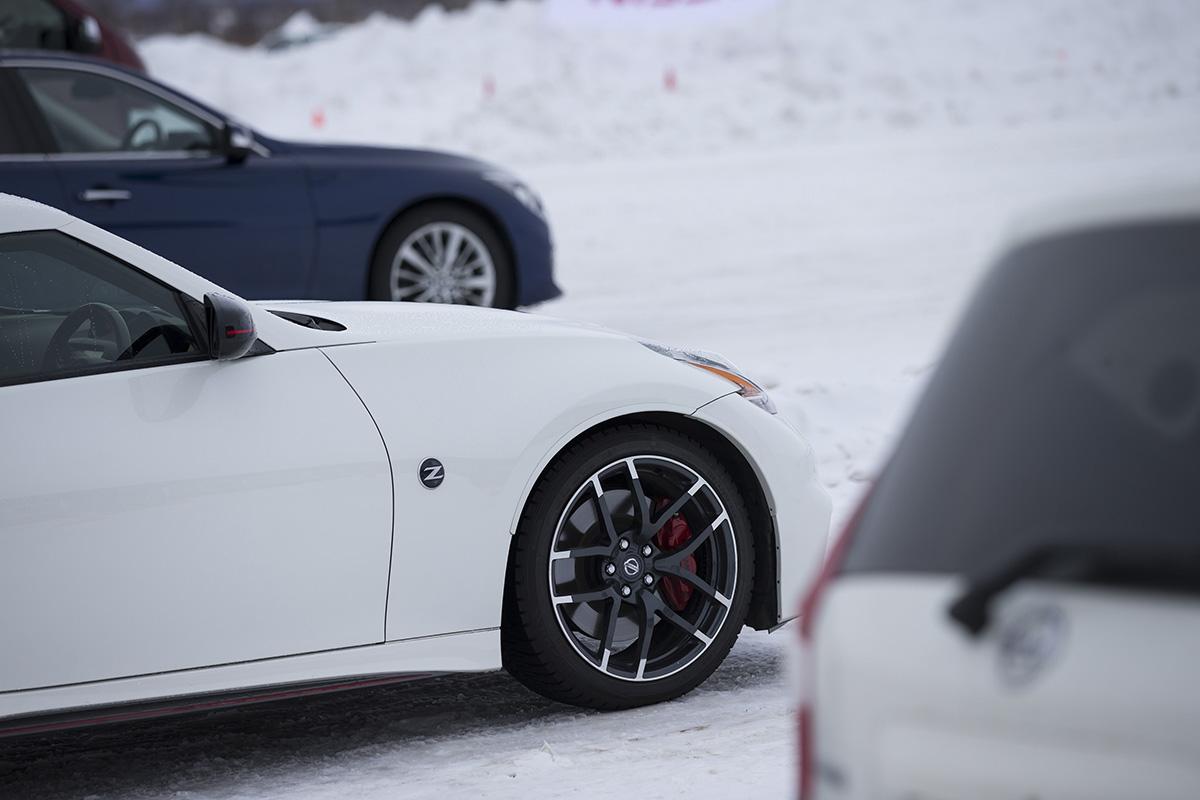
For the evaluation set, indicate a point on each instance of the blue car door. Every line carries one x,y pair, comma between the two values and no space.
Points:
156,169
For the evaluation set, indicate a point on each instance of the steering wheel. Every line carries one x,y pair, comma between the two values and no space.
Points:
63,344
177,341
131,134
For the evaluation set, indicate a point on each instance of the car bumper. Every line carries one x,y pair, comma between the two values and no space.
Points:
533,249
786,468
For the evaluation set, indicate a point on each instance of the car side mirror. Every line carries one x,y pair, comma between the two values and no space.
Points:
238,142
230,325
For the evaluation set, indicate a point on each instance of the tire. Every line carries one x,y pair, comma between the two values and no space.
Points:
431,223
574,652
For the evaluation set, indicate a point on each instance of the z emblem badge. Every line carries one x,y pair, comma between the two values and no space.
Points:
431,473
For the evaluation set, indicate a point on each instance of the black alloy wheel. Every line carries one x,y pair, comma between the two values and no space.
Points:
631,575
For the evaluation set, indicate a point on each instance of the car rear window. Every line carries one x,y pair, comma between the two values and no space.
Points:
1065,411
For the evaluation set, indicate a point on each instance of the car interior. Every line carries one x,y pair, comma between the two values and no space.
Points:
89,113
66,309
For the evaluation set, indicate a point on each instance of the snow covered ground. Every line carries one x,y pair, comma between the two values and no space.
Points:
815,202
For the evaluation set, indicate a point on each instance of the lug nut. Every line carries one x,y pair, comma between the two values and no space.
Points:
647,579
610,569
626,591
646,551
623,544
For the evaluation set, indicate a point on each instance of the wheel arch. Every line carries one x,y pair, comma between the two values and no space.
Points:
470,203
764,610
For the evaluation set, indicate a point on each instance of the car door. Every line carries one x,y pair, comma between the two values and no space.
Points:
24,170
160,510
152,167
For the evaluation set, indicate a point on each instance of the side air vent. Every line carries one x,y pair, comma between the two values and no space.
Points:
309,321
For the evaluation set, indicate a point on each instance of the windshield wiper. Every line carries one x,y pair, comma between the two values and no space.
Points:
1078,563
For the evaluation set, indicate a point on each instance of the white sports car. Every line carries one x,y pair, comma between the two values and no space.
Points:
206,502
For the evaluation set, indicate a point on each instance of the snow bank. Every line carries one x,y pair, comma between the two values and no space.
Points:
503,82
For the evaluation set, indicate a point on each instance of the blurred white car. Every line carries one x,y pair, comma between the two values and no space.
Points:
206,502
1014,611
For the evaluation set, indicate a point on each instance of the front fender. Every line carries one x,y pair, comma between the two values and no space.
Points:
354,205
785,466
493,411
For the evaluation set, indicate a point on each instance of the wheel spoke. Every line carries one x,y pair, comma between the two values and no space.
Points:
645,634
466,257
610,633
695,580
667,613
675,557
405,292
602,510
678,505
580,552
476,282
453,247
583,597
468,267
409,255
639,496
432,245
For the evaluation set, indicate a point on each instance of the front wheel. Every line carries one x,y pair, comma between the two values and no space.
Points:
631,572
443,253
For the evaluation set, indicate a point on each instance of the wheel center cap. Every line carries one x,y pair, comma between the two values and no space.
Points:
631,567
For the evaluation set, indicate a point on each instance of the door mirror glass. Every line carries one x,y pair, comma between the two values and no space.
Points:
230,325
239,142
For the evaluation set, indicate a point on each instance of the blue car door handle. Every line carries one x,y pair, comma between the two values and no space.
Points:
105,195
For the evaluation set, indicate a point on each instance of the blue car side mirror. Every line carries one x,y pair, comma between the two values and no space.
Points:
238,142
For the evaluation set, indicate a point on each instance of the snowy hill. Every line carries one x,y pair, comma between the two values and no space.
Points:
503,82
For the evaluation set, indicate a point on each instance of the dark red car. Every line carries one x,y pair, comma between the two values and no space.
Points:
63,25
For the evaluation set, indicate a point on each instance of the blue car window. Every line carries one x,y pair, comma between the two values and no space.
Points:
91,113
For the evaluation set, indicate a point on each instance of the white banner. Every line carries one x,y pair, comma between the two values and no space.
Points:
650,12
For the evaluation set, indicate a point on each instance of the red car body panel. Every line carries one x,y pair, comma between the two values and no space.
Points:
114,46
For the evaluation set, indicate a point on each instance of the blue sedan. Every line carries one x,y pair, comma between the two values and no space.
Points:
266,218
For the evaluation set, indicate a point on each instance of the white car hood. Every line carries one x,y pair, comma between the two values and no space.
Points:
425,322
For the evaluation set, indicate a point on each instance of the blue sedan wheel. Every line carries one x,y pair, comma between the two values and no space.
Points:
443,253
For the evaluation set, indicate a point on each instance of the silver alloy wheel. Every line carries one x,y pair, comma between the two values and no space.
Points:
611,617
443,262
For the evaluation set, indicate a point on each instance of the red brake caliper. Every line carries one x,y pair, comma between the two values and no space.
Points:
673,535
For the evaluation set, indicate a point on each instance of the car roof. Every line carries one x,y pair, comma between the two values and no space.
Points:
59,55
1113,208
18,214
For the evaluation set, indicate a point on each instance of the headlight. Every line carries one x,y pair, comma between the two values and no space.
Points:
710,362
517,189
